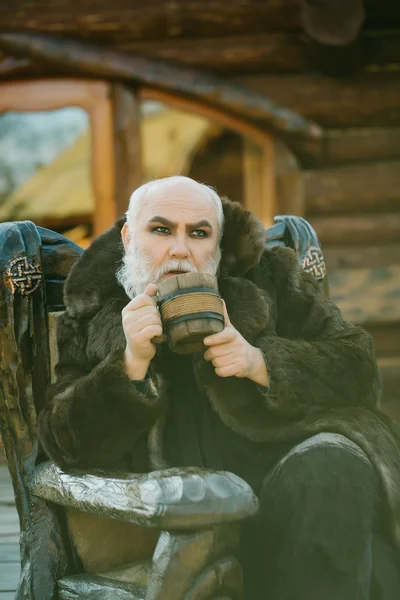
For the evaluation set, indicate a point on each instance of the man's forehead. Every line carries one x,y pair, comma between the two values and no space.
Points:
187,202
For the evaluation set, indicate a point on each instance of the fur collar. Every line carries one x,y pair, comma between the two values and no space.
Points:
92,281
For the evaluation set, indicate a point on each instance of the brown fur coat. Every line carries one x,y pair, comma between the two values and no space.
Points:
323,370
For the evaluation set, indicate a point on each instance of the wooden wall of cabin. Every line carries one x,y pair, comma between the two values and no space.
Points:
351,184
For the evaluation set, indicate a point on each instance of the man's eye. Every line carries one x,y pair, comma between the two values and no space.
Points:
160,229
199,233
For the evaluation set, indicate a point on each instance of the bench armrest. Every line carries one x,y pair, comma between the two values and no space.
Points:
176,498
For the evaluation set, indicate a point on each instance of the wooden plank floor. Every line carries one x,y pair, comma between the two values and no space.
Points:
9,538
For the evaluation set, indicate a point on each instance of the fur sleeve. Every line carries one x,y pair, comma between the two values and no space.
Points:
317,359
94,414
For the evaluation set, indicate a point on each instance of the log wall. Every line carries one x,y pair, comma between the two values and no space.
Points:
351,183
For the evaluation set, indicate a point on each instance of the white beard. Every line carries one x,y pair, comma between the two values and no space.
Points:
136,271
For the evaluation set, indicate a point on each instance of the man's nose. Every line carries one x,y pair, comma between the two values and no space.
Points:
179,248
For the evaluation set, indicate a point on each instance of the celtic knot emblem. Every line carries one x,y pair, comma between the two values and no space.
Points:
314,263
24,275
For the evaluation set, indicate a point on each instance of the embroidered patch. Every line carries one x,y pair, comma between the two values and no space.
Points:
24,275
314,263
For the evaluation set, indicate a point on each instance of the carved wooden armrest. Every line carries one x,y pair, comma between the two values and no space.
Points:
177,498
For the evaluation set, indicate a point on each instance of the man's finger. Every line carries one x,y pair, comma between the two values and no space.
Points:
149,333
223,361
144,321
151,290
228,371
136,313
139,302
227,335
217,351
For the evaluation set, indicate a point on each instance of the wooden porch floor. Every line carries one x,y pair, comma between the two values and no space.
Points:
9,538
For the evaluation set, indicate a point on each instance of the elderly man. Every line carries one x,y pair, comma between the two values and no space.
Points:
285,396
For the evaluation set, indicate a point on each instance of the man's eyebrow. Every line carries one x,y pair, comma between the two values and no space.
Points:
161,220
167,223
202,223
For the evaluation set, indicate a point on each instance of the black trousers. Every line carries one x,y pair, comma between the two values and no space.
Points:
320,533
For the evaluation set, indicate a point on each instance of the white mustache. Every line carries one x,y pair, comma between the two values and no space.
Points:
175,265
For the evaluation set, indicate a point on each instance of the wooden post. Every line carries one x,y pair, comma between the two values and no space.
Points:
259,180
289,182
127,145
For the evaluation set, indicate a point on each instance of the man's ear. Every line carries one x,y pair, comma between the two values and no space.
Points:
126,236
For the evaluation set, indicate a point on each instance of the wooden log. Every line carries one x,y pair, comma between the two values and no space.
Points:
358,228
77,57
359,257
154,20
272,52
344,146
364,187
366,100
161,20
367,295
127,145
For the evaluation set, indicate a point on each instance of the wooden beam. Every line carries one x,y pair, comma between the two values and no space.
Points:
272,52
154,20
77,57
357,188
366,100
358,229
127,145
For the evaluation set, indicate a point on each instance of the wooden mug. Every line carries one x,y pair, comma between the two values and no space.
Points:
191,309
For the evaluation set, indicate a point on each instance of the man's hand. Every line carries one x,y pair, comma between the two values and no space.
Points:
233,356
141,322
